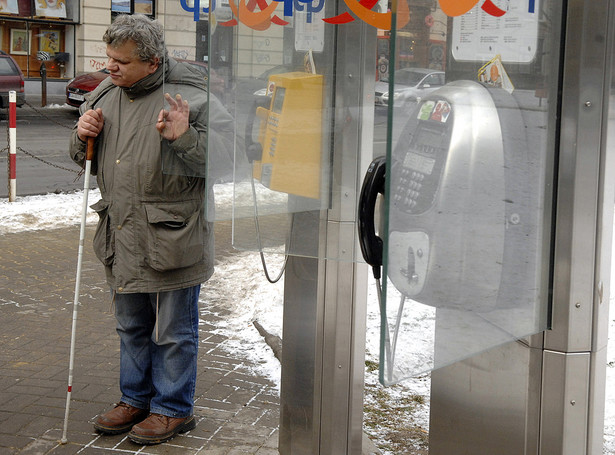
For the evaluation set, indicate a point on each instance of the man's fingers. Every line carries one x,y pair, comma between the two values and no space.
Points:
90,123
97,114
177,103
171,101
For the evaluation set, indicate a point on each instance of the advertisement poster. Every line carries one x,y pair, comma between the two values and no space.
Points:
49,41
20,41
51,8
9,6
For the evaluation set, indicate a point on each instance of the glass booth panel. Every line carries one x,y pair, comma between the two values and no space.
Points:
270,76
469,179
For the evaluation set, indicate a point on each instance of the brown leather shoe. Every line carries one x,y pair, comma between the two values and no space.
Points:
120,419
158,428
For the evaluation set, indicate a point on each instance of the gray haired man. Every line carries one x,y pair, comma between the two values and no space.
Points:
153,236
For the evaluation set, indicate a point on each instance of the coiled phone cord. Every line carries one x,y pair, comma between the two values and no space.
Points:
260,246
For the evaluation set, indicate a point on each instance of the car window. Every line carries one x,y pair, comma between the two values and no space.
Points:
433,80
6,67
409,78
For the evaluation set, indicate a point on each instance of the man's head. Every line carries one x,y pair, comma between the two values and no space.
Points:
135,48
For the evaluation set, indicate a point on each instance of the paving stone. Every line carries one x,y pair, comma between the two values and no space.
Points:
12,441
36,301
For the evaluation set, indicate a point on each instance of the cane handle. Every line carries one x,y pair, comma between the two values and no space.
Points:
89,154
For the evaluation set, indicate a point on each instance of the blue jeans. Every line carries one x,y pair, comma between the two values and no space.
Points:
158,365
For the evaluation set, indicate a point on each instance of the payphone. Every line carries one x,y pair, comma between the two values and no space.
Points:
290,134
463,203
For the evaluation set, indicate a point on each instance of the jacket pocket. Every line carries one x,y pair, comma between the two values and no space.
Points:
103,238
175,235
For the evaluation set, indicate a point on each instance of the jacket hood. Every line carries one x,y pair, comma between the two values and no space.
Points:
182,73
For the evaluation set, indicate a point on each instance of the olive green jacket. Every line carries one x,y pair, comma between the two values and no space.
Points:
153,233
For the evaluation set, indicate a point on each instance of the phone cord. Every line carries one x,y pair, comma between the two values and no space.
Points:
260,246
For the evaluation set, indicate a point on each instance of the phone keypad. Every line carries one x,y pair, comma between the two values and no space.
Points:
408,189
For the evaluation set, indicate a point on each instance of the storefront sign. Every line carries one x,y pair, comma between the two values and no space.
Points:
259,14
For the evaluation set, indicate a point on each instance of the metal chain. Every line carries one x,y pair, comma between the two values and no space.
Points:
39,112
8,139
31,155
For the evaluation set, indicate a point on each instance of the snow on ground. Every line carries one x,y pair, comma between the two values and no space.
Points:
242,284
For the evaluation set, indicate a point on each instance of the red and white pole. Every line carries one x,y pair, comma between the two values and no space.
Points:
12,146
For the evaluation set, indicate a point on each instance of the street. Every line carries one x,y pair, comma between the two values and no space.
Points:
43,165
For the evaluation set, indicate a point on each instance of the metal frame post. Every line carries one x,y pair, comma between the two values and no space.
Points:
574,359
325,299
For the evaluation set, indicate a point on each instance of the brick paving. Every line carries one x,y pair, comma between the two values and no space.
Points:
236,411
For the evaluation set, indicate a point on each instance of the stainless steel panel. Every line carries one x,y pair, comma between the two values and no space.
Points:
565,398
579,176
603,257
597,401
345,299
325,300
301,355
488,404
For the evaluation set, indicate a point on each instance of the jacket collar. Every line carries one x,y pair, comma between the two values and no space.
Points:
148,84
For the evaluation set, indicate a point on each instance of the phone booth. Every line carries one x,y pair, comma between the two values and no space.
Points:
487,183
474,176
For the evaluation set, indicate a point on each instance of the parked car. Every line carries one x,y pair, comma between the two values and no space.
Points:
411,84
11,79
78,87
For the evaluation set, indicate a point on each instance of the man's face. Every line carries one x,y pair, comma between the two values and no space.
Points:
124,65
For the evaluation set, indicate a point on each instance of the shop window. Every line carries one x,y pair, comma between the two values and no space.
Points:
24,42
132,7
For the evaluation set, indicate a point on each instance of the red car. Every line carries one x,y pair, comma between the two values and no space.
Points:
80,85
11,79
85,83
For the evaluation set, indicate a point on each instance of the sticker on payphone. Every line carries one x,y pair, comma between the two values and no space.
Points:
437,111
441,112
426,110
270,88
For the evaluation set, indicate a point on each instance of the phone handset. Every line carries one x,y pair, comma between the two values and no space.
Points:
371,244
258,119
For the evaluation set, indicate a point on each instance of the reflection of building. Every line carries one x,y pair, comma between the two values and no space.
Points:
421,42
75,41
27,27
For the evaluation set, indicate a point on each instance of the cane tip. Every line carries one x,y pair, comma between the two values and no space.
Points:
63,441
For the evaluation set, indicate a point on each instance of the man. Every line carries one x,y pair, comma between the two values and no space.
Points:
153,236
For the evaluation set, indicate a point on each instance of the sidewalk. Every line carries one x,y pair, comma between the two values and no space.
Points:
237,413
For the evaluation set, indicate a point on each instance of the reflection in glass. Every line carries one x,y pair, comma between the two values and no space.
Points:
469,184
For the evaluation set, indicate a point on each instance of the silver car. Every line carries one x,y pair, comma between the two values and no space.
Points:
411,84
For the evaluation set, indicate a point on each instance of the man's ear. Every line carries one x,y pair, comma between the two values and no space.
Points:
154,64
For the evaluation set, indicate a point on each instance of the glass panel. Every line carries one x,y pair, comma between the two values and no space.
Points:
469,179
282,75
609,417
270,78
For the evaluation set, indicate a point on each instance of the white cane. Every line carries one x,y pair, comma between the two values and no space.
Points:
86,186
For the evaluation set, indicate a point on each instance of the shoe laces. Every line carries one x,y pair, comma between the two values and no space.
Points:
160,417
